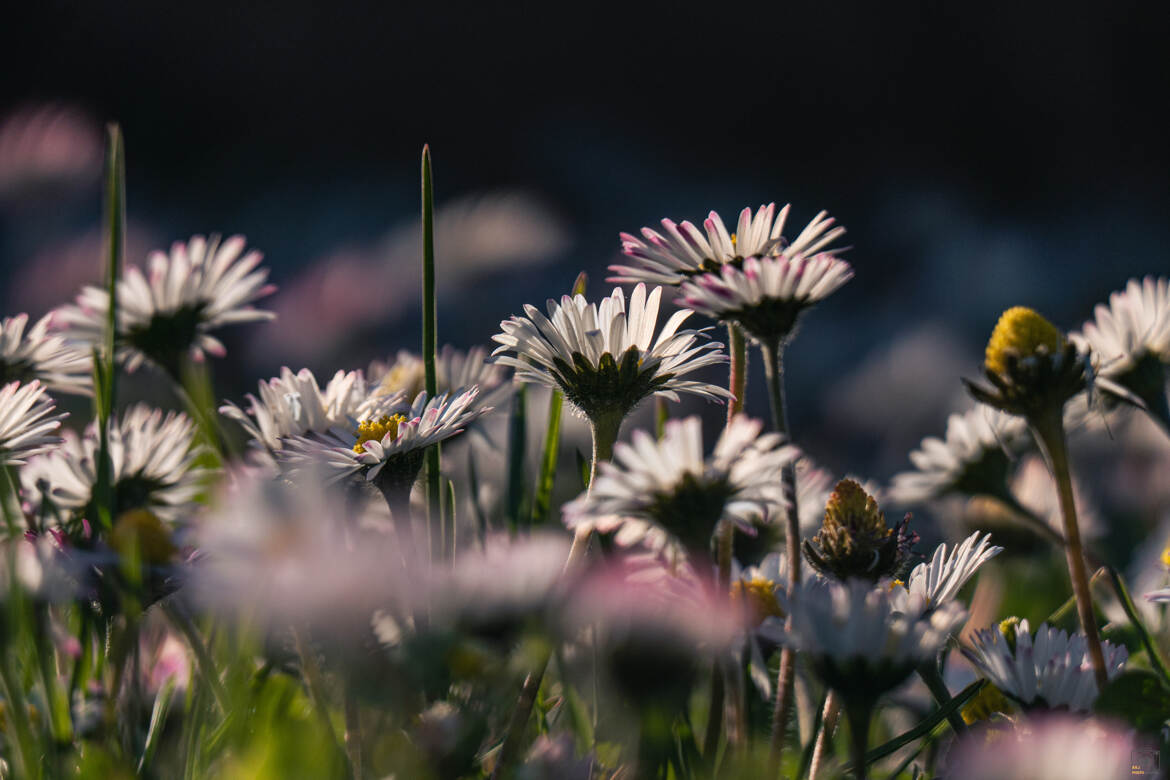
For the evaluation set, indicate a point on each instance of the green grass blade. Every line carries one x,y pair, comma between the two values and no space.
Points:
158,719
105,365
926,726
430,339
1138,624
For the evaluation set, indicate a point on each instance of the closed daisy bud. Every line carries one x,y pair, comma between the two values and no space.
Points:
1033,369
855,540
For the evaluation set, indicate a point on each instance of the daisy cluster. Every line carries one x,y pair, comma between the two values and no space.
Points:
331,570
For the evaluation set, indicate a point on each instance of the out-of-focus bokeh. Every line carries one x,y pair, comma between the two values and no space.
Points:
979,155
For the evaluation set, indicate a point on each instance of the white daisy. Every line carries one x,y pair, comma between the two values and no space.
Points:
685,251
153,458
397,438
975,458
39,354
1054,747
174,309
454,369
768,294
658,487
864,640
604,357
1134,324
26,422
1129,341
294,405
1051,670
939,581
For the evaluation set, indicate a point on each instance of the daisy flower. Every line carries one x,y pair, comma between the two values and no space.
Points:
153,468
454,368
295,405
666,490
767,295
387,449
39,354
683,251
26,422
973,458
863,640
604,357
175,308
939,581
1051,670
1055,747
1130,341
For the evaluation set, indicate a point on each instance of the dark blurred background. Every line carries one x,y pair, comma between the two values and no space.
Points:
980,155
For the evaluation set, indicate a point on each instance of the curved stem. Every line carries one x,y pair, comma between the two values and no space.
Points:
773,353
1049,433
605,433
737,376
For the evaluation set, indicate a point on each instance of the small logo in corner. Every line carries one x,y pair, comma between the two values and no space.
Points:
1143,763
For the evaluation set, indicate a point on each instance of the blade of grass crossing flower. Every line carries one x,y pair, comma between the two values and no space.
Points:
430,334
105,366
158,719
517,438
60,722
927,725
1138,624
548,461
198,395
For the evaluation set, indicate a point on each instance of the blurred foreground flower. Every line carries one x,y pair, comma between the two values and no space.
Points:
664,494
173,310
27,422
39,354
1052,670
685,251
282,553
47,147
1057,747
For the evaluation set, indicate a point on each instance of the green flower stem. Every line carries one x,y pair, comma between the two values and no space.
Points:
1049,432
315,684
859,715
605,433
774,373
203,662
542,501
1138,624
723,670
829,717
938,689
25,747
10,502
60,721
353,733
737,379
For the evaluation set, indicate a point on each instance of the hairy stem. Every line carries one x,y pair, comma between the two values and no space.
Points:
737,378
829,718
1049,433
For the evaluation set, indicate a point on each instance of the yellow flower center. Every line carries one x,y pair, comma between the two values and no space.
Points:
1023,332
849,506
1166,556
376,430
405,375
759,595
734,240
1008,628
